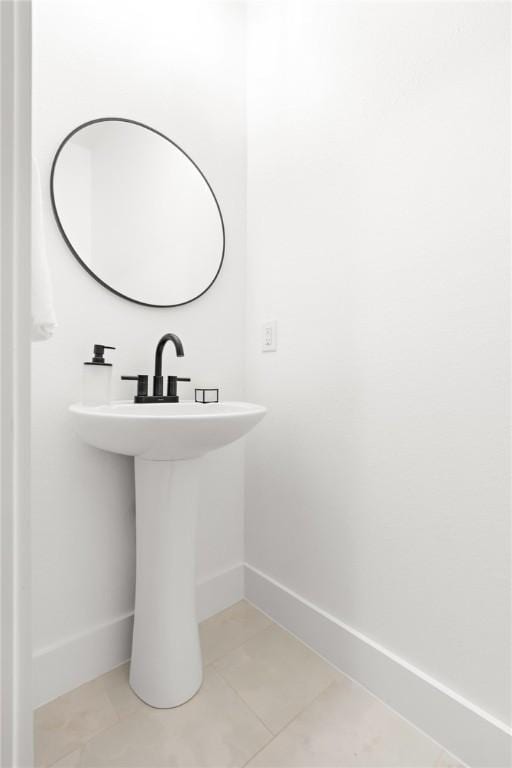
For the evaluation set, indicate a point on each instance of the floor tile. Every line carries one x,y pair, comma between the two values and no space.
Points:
276,675
66,723
344,727
229,629
215,728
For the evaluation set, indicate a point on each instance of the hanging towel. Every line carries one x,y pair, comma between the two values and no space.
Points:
43,313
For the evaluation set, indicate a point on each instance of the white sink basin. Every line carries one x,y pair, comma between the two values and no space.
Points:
168,441
164,431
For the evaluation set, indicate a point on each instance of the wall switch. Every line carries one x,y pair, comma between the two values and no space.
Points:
269,337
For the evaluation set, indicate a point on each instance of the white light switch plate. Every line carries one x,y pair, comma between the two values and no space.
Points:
269,337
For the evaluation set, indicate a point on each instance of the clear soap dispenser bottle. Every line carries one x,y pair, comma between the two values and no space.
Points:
96,379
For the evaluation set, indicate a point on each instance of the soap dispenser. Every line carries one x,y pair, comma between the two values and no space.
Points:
96,378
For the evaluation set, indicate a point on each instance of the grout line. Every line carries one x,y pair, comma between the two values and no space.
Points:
309,647
295,717
236,647
76,749
259,751
239,696
83,743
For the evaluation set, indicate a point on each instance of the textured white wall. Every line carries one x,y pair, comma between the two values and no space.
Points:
378,204
181,68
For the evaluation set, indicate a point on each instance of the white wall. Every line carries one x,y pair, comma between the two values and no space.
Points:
378,178
181,68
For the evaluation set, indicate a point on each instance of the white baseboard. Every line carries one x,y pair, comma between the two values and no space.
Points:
76,660
461,727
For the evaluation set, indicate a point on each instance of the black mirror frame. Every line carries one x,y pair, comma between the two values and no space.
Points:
68,242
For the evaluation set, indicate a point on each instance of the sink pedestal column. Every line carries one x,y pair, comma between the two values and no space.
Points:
166,667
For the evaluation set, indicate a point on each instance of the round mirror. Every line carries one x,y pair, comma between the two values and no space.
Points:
137,212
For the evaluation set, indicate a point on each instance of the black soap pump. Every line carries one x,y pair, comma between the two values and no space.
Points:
96,379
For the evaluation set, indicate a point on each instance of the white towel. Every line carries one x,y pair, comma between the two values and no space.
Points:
43,313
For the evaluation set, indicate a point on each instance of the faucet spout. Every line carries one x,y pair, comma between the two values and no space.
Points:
160,349
158,379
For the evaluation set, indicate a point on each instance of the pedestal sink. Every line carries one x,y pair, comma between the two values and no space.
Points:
167,441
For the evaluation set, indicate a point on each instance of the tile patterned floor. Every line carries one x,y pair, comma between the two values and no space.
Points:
267,700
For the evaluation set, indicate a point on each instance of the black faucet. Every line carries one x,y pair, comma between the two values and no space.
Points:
158,380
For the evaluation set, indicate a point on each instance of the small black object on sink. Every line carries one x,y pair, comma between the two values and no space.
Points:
207,396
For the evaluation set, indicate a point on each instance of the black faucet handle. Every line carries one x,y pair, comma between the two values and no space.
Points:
171,386
142,384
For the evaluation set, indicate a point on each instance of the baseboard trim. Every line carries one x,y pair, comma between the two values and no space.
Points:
461,727
63,666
